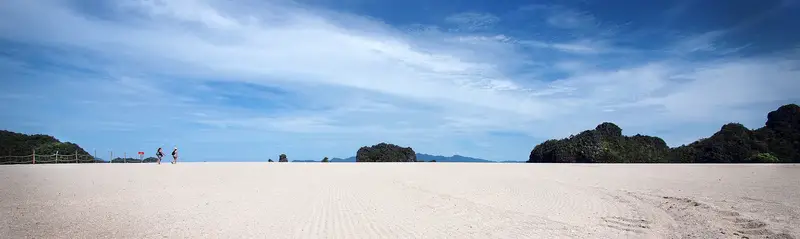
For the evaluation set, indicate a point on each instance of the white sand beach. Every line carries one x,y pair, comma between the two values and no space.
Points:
399,200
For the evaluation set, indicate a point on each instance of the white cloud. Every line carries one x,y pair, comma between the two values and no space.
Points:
715,88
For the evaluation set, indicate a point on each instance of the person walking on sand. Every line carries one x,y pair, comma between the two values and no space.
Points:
175,155
159,154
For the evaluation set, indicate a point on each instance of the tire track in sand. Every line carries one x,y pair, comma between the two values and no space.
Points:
343,220
314,222
490,221
400,225
696,219
355,205
636,216
358,213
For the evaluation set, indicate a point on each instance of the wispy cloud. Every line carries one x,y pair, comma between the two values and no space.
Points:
574,47
704,42
562,17
570,19
471,21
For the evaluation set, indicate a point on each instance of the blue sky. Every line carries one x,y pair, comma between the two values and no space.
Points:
247,80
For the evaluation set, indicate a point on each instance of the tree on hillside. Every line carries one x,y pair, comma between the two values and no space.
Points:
282,158
16,144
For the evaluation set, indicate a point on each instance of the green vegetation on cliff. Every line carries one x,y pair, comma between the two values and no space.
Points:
604,144
384,152
16,144
777,142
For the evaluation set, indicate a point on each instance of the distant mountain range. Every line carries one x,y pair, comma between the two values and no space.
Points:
451,159
438,158
345,160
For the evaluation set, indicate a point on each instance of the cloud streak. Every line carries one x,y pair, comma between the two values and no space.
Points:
471,21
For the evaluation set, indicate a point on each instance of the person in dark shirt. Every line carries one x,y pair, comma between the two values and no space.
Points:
159,154
175,155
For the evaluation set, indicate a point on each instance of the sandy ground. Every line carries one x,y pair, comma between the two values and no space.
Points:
412,200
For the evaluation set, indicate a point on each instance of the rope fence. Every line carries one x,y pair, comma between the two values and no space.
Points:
62,159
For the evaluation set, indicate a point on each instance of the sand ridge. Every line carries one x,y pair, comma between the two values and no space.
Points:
399,200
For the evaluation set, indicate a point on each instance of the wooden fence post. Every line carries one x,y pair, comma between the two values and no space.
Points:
125,157
76,156
56,157
34,156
